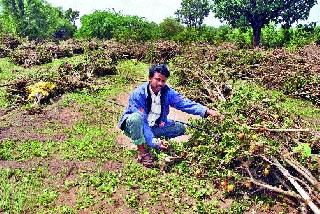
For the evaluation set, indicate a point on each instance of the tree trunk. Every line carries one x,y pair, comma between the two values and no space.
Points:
286,33
256,35
21,7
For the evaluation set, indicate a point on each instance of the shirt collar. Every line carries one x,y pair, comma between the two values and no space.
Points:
152,93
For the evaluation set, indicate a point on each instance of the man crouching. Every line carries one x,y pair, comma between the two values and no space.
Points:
145,118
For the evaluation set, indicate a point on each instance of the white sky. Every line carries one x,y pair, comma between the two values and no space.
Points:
152,10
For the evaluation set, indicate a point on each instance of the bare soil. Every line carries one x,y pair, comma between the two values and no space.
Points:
21,125
58,166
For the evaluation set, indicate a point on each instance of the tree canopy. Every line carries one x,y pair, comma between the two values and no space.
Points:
34,19
170,27
193,12
257,13
110,24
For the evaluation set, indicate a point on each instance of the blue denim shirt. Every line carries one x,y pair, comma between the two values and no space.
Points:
139,101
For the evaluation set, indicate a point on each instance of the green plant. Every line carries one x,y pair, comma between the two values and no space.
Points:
304,149
258,14
169,28
192,13
34,19
108,24
132,200
47,197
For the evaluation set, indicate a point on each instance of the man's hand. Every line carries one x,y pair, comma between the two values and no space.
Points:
161,124
214,114
163,145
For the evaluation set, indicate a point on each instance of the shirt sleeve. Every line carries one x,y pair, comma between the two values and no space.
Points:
184,104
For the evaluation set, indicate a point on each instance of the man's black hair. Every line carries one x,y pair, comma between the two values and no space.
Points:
160,68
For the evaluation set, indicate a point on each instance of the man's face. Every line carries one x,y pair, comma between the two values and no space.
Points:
157,82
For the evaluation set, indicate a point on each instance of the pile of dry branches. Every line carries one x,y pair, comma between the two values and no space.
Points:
296,74
258,146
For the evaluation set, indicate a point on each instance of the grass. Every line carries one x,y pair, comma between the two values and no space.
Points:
23,191
7,69
13,150
92,140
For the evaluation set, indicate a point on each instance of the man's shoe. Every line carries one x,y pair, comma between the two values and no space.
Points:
146,160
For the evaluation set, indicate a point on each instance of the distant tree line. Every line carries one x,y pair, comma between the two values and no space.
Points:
36,19
265,23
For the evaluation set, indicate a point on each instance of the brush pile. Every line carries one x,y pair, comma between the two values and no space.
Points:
9,42
162,51
296,74
4,52
259,145
30,55
64,48
36,53
70,77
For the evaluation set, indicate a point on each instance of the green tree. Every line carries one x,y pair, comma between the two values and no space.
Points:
193,12
34,18
257,13
110,24
7,25
169,28
72,15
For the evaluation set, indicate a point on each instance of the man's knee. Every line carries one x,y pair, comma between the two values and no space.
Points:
134,119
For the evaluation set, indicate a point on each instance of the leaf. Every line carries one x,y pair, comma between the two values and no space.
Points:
304,149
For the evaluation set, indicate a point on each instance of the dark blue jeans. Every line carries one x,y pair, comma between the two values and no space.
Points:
134,129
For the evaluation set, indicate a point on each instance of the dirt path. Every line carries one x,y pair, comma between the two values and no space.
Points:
174,114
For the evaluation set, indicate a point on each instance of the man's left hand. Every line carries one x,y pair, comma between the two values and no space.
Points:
163,145
214,114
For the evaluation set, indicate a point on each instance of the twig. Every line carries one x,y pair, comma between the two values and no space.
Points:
269,187
272,188
262,129
304,93
73,166
303,171
300,190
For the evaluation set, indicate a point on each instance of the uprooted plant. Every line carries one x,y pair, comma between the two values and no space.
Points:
259,145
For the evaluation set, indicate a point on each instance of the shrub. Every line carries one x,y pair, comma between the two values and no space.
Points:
108,25
169,28
272,37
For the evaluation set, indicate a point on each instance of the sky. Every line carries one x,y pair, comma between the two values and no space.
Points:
152,10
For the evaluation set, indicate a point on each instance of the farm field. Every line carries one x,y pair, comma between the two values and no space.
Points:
59,143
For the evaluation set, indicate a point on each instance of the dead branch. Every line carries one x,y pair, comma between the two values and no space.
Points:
263,129
303,171
282,181
276,189
304,184
300,190
272,188
5,85
220,95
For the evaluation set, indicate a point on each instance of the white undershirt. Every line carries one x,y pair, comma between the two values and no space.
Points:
155,110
